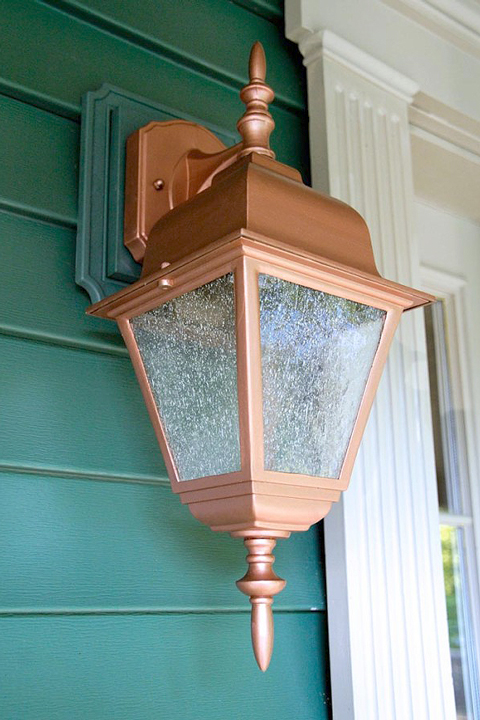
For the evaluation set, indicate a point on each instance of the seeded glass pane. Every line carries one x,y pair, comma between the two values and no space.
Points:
317,352
188,348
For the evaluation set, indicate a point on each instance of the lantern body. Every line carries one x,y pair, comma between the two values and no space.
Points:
258,350
259,368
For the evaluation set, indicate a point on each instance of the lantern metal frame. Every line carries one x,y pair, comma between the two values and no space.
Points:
246,255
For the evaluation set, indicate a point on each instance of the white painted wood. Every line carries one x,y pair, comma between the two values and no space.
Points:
444,123
445,173
457,521
458,21
388,632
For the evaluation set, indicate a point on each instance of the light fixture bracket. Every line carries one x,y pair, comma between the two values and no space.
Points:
189,155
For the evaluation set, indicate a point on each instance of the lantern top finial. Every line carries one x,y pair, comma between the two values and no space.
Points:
257,64
256,125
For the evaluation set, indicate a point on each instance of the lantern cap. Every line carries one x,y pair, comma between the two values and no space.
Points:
259,202
258,194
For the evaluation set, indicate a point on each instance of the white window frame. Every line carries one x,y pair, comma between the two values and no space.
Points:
450,289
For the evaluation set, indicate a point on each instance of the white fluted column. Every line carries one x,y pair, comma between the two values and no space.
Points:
388,631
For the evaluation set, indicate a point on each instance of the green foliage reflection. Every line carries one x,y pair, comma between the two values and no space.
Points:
448,536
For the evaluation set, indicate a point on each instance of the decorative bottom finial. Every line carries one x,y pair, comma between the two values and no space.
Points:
261,584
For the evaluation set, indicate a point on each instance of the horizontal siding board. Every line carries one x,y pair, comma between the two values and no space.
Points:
37,268
269,9
39,162
38,294
90,57
183,31
70,545
146,668
289,141
69,409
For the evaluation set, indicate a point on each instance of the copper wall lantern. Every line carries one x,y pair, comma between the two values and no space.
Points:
258,331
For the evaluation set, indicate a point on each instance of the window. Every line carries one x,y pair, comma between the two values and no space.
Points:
456,529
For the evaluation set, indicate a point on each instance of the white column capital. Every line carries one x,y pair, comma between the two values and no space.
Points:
326,44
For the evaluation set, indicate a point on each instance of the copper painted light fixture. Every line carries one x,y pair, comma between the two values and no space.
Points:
258,331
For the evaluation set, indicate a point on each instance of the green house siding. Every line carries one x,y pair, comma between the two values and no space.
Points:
114,601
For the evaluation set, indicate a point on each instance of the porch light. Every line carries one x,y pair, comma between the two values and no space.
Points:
258,332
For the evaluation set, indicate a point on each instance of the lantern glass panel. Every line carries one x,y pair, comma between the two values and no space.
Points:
188,349
317,352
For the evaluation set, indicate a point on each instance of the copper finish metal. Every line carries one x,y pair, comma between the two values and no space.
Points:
239,211
261,584
256,194
153,153
256,125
